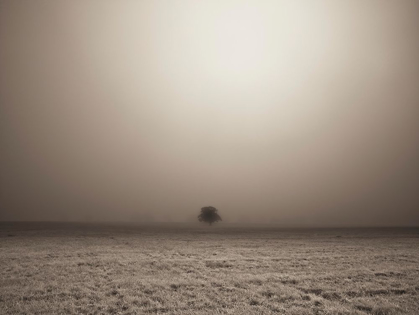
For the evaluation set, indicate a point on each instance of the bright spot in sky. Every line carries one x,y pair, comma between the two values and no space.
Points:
237,43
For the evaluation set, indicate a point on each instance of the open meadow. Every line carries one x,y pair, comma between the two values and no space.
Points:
86,268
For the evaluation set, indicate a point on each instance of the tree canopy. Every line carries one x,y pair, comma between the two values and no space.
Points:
209,215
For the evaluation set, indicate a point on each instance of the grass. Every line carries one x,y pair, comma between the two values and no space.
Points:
57,268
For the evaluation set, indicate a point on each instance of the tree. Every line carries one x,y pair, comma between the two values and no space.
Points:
209,215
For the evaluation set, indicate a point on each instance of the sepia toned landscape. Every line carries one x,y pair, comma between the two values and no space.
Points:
86,268
241,157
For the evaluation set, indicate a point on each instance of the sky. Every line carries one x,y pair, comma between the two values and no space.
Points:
290,112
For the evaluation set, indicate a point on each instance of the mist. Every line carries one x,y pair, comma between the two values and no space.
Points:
288,112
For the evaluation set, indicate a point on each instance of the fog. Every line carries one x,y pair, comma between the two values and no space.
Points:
288,112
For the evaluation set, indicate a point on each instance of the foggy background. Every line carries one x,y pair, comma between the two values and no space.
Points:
294,112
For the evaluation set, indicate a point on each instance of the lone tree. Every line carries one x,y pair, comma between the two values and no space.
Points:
209,215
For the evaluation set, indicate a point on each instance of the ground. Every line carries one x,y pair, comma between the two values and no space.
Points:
63,268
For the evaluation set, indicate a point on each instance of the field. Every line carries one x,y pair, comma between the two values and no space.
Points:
68,268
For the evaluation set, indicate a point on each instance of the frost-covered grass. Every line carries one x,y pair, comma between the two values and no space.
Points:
58,268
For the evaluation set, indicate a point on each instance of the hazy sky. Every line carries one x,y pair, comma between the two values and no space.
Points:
300,112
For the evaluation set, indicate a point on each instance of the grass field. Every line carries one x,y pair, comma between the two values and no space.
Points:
58,268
